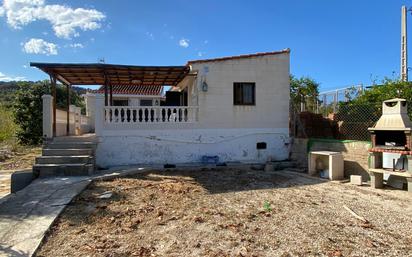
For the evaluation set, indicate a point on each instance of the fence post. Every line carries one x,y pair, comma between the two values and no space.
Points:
99,115
47,116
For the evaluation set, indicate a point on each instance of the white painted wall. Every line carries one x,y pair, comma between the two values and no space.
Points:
79,124
271,75
179,146
90,101
223,129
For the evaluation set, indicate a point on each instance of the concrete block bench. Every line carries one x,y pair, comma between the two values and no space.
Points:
377,177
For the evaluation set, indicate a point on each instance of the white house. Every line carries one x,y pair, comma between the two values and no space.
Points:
231,109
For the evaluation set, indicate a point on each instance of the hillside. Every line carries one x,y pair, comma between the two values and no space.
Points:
8,90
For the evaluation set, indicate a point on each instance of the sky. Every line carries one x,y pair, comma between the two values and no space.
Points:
337,43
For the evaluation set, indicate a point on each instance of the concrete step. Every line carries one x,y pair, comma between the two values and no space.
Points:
74,169
83,138
64,159
71,145
66,152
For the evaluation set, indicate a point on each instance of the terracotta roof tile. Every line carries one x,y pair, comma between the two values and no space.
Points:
287,50
134,90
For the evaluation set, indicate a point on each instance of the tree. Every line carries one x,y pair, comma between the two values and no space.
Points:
28,108
372,98
364,109
386,90
304,90
28,111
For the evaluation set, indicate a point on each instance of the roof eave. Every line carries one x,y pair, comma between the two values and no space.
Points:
243,56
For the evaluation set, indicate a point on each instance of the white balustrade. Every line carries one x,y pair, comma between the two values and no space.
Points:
150,114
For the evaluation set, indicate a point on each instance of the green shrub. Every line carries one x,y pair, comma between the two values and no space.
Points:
7,126
28,108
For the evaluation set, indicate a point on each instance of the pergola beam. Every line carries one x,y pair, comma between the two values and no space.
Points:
68,109
53,89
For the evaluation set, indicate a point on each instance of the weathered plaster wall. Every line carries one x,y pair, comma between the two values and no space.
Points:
188,146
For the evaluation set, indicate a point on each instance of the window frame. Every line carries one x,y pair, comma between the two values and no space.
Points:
140,102
241,85
123,101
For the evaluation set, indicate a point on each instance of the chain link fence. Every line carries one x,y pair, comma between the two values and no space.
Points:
341,120
353,120
336,114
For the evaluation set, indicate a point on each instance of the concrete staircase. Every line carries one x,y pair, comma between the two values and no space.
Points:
67,156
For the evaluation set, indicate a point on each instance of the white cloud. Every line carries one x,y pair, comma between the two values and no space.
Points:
4,77
39,46
76,45
65,21
150,35
184,42
200,54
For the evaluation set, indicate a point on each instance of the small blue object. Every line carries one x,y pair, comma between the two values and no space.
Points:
210,159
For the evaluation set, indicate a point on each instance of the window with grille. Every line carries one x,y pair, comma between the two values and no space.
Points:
244,93
120,102
146,102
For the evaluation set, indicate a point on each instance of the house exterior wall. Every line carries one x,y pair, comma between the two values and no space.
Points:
222,129
90,101
78,124
271,75
178,146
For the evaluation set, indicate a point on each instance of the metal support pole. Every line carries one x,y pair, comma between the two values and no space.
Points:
404,45
111,94
106,101
53,89
68,110
106,95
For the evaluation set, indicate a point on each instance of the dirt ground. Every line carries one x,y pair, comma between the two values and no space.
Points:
23,159
231,212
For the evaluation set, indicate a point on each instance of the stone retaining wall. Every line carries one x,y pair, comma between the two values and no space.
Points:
355,153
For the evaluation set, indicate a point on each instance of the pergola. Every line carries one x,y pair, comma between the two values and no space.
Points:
107,75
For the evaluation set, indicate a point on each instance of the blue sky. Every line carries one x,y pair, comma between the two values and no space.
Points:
338,43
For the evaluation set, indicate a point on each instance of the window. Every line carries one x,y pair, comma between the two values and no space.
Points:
120,102
244,93
146,102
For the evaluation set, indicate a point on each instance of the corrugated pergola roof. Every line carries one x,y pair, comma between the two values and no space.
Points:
101,73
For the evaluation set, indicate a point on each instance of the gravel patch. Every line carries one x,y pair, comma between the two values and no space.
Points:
231,212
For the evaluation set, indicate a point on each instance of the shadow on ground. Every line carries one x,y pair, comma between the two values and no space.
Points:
225,180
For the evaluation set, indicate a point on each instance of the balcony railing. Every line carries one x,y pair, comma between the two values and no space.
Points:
150,114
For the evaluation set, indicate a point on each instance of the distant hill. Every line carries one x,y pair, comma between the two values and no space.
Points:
8,90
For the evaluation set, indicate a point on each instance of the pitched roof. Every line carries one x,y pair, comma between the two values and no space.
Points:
134,90
287,50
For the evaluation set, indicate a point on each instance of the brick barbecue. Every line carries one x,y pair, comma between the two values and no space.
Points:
391,137
392,132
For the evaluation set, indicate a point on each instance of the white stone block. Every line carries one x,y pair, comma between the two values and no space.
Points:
356,180
47,116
